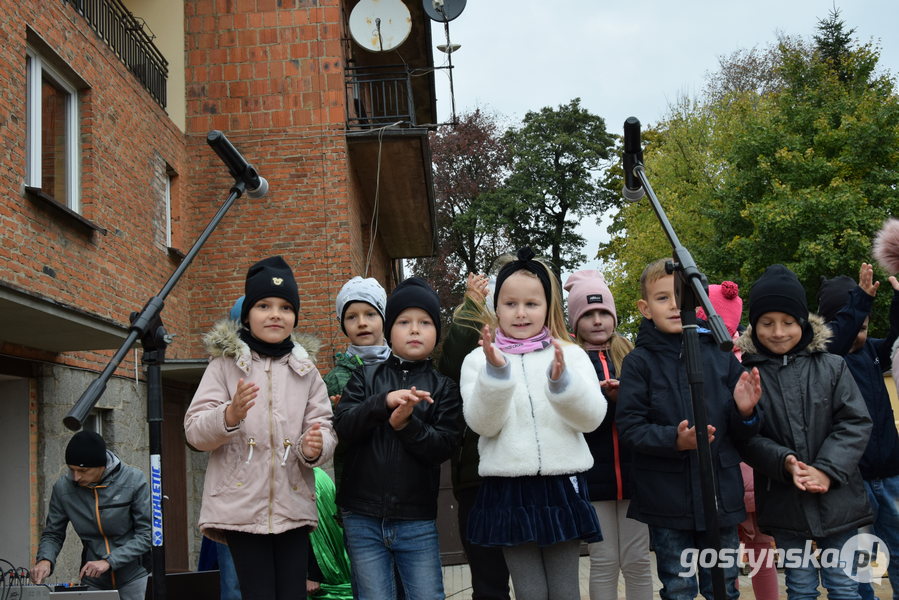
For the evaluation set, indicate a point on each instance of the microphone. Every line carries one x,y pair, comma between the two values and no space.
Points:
237,165
633,156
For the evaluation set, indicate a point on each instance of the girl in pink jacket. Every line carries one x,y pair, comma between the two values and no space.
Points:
263,412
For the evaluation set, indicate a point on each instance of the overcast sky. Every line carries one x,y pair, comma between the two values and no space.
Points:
625,57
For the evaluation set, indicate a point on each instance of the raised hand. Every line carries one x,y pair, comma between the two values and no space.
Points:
610,387
241,403
558,366
494,356
686,436
403,402
476,287
313,442
866,279
747,392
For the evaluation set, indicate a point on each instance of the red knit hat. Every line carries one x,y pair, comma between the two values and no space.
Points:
727,303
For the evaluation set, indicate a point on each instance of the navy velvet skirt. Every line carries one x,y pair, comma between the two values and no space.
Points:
545,510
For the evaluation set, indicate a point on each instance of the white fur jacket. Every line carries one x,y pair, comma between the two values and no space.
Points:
527,426
258,480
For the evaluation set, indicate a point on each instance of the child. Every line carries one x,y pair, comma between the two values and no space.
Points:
360,311
653,417
625,544
845,307
489,573
725,298
530,394
807,483
259,491
399,420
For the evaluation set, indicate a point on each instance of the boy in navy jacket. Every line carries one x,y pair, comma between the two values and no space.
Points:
654,417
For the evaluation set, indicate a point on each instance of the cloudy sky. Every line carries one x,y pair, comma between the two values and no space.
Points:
625,57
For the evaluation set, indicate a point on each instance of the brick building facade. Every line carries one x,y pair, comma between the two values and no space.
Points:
107,181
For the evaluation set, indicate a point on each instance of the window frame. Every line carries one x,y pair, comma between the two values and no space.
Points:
37,66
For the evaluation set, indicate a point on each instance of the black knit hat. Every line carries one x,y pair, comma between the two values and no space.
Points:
777,290
269,278
412,293
834,295
86,449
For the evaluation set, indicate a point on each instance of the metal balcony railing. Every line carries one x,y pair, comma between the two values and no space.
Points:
378,96
125,35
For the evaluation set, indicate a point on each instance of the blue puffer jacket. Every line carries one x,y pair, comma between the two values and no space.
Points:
867,365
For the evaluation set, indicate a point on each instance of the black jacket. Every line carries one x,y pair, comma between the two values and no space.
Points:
610,476
387,473
653,399
867,365
813,410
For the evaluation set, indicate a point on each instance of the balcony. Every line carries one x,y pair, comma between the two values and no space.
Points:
124,34
387,136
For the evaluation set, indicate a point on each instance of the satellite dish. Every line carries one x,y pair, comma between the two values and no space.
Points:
443,10
380,25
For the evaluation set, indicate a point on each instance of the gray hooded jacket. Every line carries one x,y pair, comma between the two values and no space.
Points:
112,518
813,410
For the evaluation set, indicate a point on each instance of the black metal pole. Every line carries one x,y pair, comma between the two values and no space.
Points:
147,324
689,285
140,325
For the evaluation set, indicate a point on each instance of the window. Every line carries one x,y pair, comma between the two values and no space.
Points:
168,209
52,124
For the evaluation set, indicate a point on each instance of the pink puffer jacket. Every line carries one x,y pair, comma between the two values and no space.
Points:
257,480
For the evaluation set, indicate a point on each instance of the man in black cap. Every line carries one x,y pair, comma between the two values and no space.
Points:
108,504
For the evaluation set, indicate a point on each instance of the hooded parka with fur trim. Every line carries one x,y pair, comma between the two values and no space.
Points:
258,480
813,410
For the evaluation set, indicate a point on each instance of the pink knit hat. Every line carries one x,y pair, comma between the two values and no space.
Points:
727,302
587,290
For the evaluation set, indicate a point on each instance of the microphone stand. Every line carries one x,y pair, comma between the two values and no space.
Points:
147,325
689,286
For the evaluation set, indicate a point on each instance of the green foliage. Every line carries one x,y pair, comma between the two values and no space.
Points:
556,156
798,164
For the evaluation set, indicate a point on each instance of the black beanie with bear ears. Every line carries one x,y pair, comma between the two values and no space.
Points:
270,278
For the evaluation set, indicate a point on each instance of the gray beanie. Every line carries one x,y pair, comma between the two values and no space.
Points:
360,290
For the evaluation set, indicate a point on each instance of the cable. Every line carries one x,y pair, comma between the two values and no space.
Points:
373,226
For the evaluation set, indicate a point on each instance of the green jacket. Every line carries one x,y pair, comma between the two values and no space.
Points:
339,376
461,339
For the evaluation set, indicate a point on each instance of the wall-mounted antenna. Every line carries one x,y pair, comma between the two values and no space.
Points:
444,11
380,25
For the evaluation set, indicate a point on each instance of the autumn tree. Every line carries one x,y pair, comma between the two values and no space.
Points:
797,164
469,164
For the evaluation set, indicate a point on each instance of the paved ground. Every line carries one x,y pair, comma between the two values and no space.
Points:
457,583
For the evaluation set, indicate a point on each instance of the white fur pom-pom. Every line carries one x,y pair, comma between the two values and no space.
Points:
886,246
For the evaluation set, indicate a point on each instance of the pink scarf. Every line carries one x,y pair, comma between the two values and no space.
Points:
514,346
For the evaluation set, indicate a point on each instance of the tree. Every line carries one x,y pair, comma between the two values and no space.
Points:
798,164
556,156
469,163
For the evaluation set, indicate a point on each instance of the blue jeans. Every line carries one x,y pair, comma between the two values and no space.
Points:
883,495
375,545
230,589
672,546
803,581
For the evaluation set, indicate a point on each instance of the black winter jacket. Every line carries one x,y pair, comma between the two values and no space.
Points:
813,410
867,365
610,476
653,399
395,474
